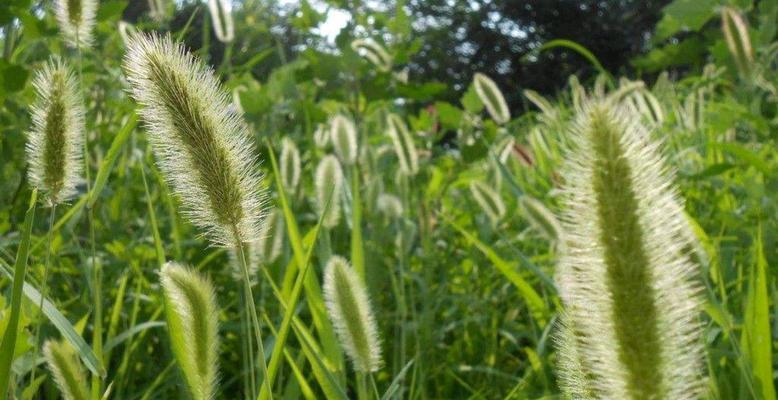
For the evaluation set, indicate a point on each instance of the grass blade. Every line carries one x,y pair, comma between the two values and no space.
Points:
535,303
64,327
110,158
8,345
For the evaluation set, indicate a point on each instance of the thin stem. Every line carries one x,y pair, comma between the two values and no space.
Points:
251,391
252,310
44,293
362,393
375,388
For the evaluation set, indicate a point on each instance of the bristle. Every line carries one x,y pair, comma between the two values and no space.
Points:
329,182
349,309
403,144
492,98
66,369
624,277
55,141
76,19
202,148
192,316
344,139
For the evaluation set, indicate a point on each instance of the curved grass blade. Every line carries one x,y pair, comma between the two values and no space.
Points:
110,158
569,44
8,345
64,327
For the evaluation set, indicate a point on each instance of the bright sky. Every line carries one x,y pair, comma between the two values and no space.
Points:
335,21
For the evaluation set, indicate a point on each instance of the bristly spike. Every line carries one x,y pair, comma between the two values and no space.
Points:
344,139
631,328
329,181
290,165
374,52
492,98
192,317
221,16
76,19
202,148
66,369
403,144
738,41
349,309
55,141
490,201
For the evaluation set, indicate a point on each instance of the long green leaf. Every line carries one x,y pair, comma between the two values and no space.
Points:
110,158
64,327
757,340
535,303
8,345
569,44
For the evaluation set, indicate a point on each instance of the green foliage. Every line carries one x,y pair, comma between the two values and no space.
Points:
465,302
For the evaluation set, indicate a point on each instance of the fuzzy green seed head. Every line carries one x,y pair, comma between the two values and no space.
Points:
492,98
290,165
489,200
541,218
344,139
349,310
202,148
55,141
221,17
738,41
390,205
321,136
66,369
404,147
625,278
329,182
374,52
76,19
192,316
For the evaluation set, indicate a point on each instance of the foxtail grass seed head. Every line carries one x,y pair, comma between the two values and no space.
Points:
624,275
541,218
76,19
403,144
221,16
490,201
321,136
492,98
344,139
738,42
66,370
349,310
203,150
290,165
389,205
192,317
158,10
646,105
374,52
329,182
56,139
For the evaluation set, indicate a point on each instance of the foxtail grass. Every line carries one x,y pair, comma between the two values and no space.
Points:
631,327
489,200
492,98
344,139
192,317
349,310
76,20
329,182
66,370
403,144
290,165
221,17
55,141
738,41
374,52
202,148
